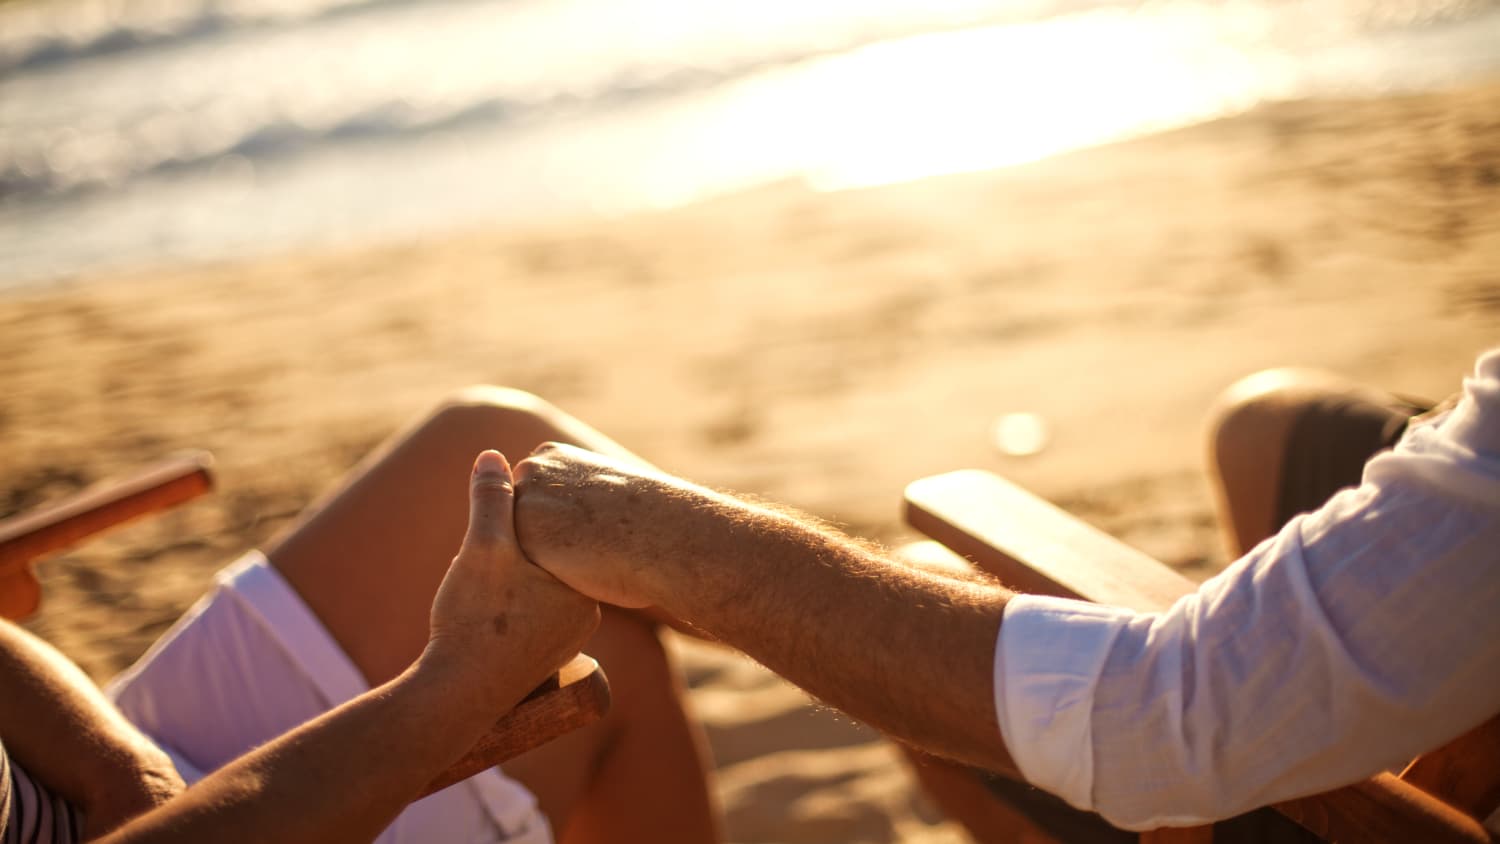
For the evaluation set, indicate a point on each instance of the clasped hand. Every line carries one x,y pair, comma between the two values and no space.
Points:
596,528
500,622
617,532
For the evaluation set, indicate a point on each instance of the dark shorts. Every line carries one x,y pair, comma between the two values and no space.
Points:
1327,448
1329,445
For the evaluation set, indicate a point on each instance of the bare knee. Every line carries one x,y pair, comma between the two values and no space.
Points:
522,421
1251,420
509,420
1249,428
630,645
485,401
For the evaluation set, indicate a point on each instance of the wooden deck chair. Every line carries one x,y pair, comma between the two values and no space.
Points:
574,697
1442,796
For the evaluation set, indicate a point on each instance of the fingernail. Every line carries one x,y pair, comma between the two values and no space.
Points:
490,462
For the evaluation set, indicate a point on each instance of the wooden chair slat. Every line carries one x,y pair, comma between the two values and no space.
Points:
577,696
1035,547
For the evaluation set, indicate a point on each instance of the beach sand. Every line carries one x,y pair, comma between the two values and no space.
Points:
818,349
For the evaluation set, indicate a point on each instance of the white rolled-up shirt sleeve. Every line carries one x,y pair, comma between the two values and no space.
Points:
1047,666
1358,637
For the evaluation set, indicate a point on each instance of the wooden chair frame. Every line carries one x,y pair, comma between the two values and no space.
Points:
1033,546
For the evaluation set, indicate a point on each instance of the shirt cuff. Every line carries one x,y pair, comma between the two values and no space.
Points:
1048,658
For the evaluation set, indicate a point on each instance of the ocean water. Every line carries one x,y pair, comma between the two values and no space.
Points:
141,132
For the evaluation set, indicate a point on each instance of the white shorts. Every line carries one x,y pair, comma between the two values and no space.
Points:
249,662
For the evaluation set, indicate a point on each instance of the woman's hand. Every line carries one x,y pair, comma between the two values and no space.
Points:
498,620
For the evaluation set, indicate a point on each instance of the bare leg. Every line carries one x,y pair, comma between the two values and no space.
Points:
632,792
961,793
1250,429
368,559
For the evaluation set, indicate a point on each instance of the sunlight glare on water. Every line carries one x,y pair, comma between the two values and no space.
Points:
994,96
211,128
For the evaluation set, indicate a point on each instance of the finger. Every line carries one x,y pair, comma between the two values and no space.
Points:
491,503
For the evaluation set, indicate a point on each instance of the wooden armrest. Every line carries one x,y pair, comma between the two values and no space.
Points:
1033,546
1384,808
50,529
577,696
169,483
1464,772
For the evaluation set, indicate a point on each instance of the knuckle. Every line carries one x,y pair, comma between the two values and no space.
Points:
522,472
491,485
533,474
473,552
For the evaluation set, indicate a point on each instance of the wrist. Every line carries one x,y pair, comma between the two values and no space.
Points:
466,688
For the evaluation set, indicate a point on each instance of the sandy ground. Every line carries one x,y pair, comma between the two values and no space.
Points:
818,349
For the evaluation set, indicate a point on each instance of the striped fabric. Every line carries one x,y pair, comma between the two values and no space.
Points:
29,814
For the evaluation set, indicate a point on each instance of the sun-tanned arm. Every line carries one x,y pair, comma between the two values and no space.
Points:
499,626
908,651
60,727
341,777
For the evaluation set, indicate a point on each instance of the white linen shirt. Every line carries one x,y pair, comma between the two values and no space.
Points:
1358,637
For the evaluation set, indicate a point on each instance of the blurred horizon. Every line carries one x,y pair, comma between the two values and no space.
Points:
145,134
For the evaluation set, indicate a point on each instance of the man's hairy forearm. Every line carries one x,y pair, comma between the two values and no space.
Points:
908,651
60,727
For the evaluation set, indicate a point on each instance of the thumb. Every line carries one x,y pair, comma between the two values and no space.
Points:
491,503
